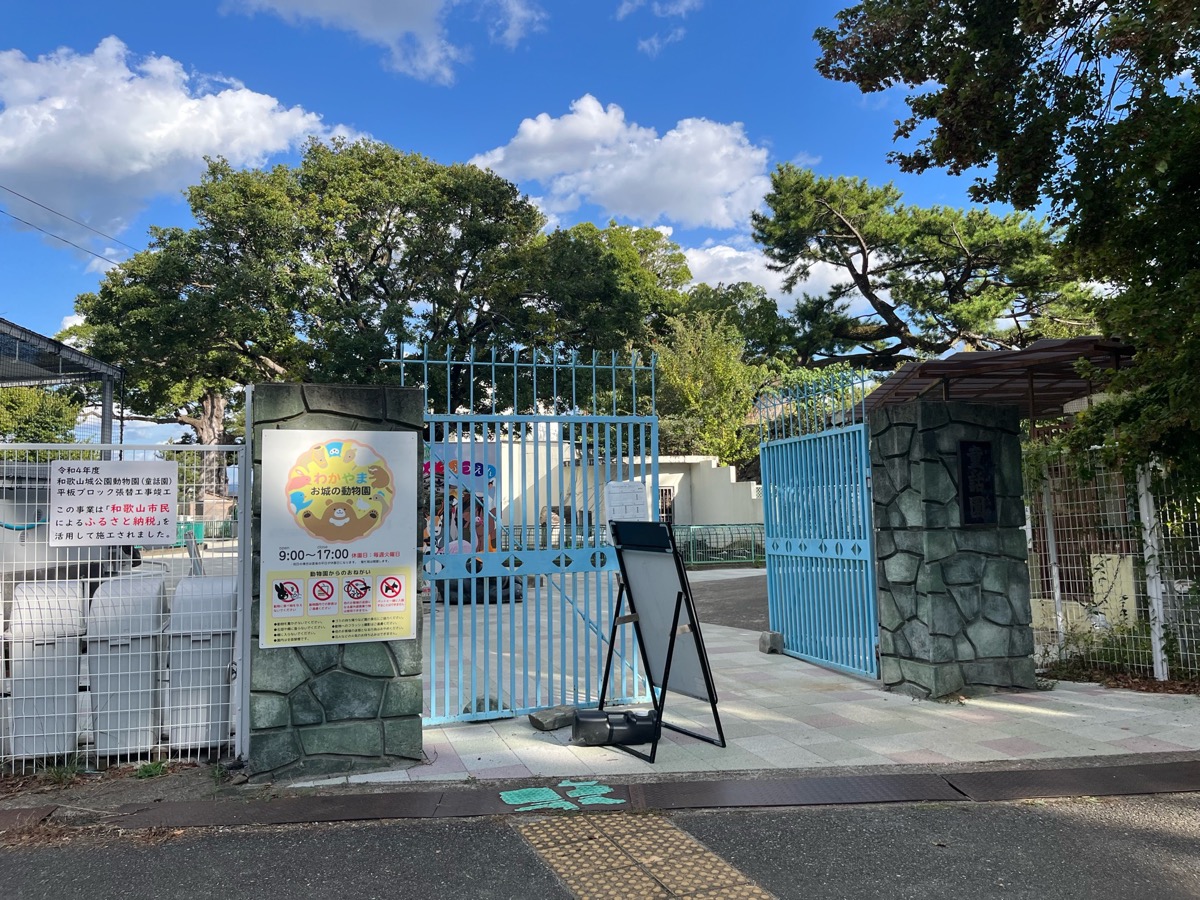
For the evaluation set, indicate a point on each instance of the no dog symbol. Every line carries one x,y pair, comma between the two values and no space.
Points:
287,591
391,587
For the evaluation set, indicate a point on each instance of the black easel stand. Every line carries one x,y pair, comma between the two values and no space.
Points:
690,631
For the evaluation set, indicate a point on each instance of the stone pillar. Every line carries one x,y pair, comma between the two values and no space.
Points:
951,556
333,709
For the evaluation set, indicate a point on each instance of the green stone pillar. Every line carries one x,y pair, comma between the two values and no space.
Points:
332,709
950,547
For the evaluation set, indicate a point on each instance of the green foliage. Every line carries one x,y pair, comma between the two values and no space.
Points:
66,772
601,289
321,271
928,278
1125,648
706,390
151,769
747,308
39,416
1023,86
1096,107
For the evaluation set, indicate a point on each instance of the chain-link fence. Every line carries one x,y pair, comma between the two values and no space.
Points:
122,576
1114,561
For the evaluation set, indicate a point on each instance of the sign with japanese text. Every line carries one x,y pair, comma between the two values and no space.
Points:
339,537
105,503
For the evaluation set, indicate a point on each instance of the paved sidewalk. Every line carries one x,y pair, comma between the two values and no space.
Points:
782,713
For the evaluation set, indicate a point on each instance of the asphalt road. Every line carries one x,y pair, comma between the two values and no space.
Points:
735,602
1112,848
1115,848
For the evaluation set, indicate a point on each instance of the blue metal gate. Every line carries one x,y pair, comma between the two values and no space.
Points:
522,582
819,529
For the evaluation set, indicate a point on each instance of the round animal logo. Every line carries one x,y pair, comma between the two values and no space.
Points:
339,491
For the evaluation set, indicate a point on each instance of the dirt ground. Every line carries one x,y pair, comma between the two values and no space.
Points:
81,798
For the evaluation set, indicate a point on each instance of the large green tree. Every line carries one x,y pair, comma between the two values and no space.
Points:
205,310
1093,106
323,270
747,307
914,281
706,390
37,415
602,288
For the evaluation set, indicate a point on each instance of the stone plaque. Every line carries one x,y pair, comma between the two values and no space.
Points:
977,483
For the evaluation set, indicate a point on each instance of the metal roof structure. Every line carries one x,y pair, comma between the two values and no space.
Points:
1039,379
28,359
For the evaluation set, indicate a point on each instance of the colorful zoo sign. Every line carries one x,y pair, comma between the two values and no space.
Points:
339,537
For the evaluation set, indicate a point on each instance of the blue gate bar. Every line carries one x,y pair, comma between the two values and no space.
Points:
818,522
523,583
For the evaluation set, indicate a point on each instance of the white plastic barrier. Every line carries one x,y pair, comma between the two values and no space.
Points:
124,635
47,624
200,638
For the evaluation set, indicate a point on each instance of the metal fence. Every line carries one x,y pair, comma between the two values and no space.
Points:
700,545
721,545
522,588
819,533
1114,565
123,582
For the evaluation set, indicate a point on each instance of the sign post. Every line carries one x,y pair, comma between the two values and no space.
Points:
339,537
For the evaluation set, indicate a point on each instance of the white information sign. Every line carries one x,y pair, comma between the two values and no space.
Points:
627,501
339,537
102,503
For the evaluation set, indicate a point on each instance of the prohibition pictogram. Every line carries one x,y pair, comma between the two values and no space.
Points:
356,589
391,587
287,591
323,589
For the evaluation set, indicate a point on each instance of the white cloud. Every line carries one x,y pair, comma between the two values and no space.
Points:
661,8
149,433
728,264
676,7
413,31
700,173
725,264
97,136
514,19
653,45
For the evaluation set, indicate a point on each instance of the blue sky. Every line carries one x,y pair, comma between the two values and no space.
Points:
663,113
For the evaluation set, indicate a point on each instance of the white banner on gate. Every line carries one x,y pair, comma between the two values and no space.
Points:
107,503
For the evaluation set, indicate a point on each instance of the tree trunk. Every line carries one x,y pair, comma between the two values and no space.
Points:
210,429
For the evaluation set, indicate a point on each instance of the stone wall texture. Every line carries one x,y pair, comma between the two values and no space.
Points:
340,708
953,599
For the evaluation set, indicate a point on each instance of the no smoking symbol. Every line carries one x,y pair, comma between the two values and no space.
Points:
391,588
323,589
356,589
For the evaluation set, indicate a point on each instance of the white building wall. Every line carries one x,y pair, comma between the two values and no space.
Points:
708,493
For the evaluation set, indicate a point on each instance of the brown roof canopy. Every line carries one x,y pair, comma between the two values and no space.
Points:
1039,379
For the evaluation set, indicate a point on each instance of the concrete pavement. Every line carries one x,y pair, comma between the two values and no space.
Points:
874,794
781,713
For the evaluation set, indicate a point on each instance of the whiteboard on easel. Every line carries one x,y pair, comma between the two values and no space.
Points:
654,579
